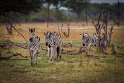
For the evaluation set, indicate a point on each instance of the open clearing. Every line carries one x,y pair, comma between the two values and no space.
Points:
95,68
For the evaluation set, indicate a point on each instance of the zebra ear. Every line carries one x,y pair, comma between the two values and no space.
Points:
31,30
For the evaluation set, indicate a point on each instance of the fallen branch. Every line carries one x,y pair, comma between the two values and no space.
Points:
13,54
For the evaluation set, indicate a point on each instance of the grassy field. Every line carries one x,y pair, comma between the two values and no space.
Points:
95,68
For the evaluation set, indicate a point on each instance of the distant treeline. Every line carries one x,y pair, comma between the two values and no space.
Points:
57,10
65,14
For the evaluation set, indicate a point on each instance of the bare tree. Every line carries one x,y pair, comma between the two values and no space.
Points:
11,20
66,34
104,38
48,9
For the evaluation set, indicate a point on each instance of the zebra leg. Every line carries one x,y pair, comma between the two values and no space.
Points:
49,53
53,52
58,52
35,57
86,50
31,57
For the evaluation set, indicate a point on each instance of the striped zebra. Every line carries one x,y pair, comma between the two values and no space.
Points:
93,40
89,40
53,43
33,46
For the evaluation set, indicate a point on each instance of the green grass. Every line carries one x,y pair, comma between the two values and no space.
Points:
70,69
118,42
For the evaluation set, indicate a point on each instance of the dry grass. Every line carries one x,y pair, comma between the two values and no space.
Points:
76,30
96,68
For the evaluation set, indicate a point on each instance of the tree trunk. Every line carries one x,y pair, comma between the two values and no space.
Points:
86,12
48,9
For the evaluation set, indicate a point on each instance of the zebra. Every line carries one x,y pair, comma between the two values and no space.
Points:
93,40
53,43
89,40
33,46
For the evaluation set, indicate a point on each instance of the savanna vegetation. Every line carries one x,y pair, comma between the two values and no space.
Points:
17,16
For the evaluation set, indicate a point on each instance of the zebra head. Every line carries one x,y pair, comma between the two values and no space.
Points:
52,38
31,31
85,37
31,34
89,39
48,36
